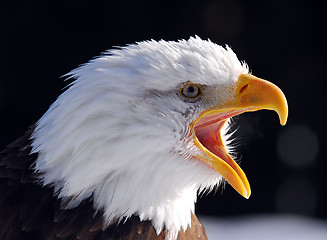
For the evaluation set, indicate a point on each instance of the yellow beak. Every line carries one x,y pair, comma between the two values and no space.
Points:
251,94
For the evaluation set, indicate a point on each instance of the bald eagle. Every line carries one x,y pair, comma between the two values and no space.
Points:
124,151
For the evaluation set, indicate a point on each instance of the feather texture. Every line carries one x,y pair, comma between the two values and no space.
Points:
116,147
31,212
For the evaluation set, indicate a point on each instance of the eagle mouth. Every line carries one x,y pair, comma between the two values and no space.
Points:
208,131
251,94
208,137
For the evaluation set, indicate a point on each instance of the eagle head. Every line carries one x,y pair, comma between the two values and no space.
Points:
142,130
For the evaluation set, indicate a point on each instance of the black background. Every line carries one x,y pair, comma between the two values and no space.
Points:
282,41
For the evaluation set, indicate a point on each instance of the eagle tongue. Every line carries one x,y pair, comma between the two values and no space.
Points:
210,137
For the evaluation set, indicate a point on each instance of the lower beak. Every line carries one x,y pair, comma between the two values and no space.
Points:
251,94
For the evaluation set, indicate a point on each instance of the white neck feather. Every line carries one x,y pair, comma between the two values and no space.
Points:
142,175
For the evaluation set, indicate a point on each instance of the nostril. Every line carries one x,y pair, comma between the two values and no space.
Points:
243,89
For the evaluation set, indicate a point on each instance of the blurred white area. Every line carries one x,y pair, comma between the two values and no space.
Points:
265,227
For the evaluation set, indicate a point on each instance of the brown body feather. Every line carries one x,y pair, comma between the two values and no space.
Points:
29,211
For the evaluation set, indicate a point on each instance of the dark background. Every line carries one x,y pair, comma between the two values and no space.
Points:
282,41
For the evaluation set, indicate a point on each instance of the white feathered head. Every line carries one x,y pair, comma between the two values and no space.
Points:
142,129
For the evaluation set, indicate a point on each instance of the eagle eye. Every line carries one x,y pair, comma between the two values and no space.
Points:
190,90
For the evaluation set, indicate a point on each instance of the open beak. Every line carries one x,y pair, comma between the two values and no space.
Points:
251,94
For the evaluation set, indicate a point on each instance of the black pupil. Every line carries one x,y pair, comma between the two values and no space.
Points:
191,89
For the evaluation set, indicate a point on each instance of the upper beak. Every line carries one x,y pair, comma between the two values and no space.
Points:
257,94
251,94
